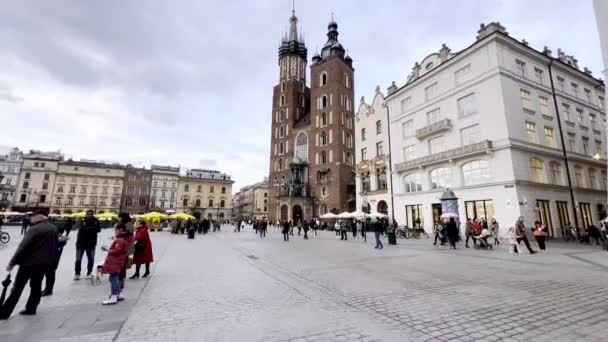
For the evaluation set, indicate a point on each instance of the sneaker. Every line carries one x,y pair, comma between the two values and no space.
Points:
110,301
27,313
89,276
120,298
77,277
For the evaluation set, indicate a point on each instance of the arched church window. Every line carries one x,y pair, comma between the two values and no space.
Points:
324,119
324,101
323,138
302,147
323,79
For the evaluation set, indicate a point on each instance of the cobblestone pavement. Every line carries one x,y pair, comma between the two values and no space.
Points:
236,287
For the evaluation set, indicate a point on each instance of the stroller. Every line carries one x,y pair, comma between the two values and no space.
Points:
482,239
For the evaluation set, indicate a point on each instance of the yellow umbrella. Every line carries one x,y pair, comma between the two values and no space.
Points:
106,216
152,215
81,214
182,216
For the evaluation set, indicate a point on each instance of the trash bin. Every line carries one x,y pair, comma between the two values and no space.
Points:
392,237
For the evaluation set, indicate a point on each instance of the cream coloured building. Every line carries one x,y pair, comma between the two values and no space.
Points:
484,122
87,185
164,188
10,166
208,192
372,156
36,181
253,201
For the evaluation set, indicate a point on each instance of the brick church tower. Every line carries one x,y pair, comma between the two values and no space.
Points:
311,155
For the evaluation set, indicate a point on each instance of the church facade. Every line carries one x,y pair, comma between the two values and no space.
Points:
312,142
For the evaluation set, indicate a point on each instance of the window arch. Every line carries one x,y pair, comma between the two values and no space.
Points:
324,101
282,115
280,164
323,79
382,207
537,170
281,148
346,80
365,182
381,179
603,180
349,158
323,138
349,140
592,178
323,209
281,131
323,119
476,172
282,103
441,178
323,157
197,202
578,176
302,146
555,172
412,183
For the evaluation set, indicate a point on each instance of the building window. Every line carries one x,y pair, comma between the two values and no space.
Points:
588,95
211,189
45,186
436,145
544,105
540,75
531,132
572,142
378,127
476,172
281,115
27,175
363,134
42,199
72,189
586,146
381,179
365,182
210,203
466,106
323,79
363,154
470,135
302,147
578,176
57,200
324,101
349,140
430,92
433,116
592,121
407,129
574,87
379,149
83,189
483,209
409,153
525,99
555,171
222,203
323,119
536,169
47,177
600,102
281,131
414,216
22,198
566,110
592,178
598,148
405,104
412,183
26,185
549,139
281,148
223,189
579,115
462,74
282,100
603,180
441,178
561,83
186,187
323,138
521,67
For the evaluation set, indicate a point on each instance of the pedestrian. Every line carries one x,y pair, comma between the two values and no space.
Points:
299,224
494,228
306,226
67,226
143,250
188,225
512,241
314,226
285,231
359,227
353,228
343,227
35,254
115,259
594,233
263,227
469,232
291,228
125,219
452,232
378,230
337,229
49,275
85,243
255,226
520,232
25,223
540,234
438,229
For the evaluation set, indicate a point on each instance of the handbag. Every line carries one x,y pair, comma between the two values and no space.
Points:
139,246
129,262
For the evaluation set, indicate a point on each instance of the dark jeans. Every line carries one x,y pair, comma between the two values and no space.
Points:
285,236
262,233
354,232
90,259
540,240
34,275
343,235
23,230
49,275
306,234
114,284
466,242
526,242
378,240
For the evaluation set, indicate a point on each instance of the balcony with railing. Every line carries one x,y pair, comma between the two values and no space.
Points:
435,127
294,190
460,152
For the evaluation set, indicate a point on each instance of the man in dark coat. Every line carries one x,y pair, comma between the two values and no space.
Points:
25,223
49,275
85,243
378,229
35,254
452,232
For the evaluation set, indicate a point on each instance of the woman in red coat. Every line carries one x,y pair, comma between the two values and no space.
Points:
117,254
143,250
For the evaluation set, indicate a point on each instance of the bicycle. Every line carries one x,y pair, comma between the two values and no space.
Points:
4,237
416,233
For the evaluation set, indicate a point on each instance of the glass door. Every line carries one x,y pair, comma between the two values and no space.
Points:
562,214
585,214
544,215
413,216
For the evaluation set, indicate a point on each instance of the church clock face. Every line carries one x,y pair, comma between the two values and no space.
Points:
293,66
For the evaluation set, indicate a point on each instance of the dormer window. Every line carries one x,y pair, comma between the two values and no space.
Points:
429,66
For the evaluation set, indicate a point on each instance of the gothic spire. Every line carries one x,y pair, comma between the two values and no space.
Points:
293,24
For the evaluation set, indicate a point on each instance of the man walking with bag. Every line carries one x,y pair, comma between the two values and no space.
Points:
35,255
85,243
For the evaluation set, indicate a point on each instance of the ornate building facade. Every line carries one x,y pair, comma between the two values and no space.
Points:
312,139
10,166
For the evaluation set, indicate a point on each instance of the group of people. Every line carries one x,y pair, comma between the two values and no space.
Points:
39,253
191,227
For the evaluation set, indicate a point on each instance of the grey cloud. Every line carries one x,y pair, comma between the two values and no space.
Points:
10,98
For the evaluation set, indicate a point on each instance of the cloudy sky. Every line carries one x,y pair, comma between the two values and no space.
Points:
190,82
